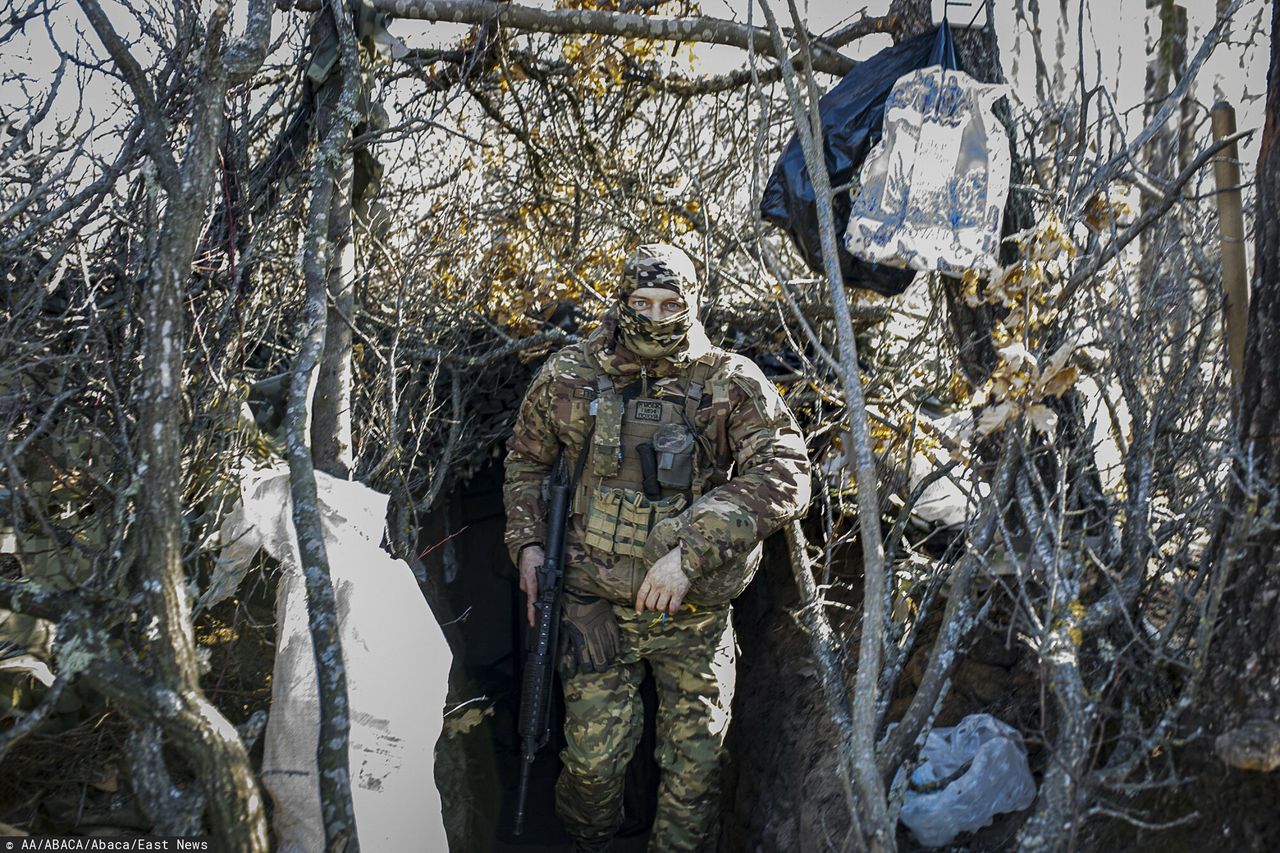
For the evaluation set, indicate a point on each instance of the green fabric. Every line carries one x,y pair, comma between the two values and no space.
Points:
692,655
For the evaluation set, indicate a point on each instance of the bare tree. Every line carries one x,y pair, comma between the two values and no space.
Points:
456,213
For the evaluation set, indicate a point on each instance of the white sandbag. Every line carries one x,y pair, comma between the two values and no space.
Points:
931,195
397,664
981,768
951,500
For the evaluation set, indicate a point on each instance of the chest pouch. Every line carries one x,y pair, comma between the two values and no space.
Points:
606,445
618,520
722,455
673,445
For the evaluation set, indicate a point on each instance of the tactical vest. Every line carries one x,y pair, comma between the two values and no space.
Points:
651,454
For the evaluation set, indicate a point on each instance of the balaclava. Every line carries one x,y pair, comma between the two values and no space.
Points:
665,266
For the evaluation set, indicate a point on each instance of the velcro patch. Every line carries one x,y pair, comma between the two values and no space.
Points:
649,410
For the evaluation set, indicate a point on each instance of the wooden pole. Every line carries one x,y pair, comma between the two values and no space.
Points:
1235,278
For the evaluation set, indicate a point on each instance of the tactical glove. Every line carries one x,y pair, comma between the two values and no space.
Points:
589,636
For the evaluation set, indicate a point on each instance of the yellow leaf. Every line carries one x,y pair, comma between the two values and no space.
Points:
1055,384
1059,358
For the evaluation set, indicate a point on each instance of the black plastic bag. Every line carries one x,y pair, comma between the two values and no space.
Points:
852,121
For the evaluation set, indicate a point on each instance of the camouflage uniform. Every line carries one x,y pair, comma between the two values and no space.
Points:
746,474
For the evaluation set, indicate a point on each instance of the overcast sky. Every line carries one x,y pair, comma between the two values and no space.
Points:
1116,34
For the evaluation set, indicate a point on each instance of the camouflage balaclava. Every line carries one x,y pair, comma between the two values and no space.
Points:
664,266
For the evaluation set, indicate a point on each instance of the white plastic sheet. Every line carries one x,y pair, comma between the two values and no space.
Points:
947,502
983,764
396,658
931,195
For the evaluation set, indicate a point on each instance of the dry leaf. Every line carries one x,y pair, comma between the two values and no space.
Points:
1017,357
1059,358
1043,418
1056,383
993,418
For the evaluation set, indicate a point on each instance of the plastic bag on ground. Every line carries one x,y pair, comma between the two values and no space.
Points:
852,120
968,774
396,658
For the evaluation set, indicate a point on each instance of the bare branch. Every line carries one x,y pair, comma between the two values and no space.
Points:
35,716
872,804
1172,104
577,21
155,127
1172,195
245,56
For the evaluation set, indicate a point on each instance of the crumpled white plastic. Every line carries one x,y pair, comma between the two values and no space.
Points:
988,761
397,663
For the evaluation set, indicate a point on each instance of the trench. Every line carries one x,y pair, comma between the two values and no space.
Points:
779,783
471,586
472,589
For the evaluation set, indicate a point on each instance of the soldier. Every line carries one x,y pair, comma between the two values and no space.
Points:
685,458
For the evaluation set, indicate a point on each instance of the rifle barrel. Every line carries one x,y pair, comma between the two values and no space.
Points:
524,793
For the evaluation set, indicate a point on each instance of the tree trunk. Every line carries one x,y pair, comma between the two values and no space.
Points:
202,734
1243,698
331,419
876,828
198,730
334,122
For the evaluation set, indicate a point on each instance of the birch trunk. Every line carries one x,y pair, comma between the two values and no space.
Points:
332,763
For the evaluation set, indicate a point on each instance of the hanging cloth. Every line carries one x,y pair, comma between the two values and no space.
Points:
852,120
931,196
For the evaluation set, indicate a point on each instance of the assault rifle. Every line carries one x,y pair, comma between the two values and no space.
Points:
539,668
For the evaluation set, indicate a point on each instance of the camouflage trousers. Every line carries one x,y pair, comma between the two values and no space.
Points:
692,656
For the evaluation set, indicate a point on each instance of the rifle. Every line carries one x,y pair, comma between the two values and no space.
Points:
535,693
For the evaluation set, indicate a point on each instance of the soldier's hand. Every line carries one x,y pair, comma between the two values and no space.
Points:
531,559
665,585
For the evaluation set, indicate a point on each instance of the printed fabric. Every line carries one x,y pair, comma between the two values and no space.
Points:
931,196
692,655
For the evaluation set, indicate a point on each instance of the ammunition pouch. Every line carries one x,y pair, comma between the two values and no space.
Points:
674,446
618,520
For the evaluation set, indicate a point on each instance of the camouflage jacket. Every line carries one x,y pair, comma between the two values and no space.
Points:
766,484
